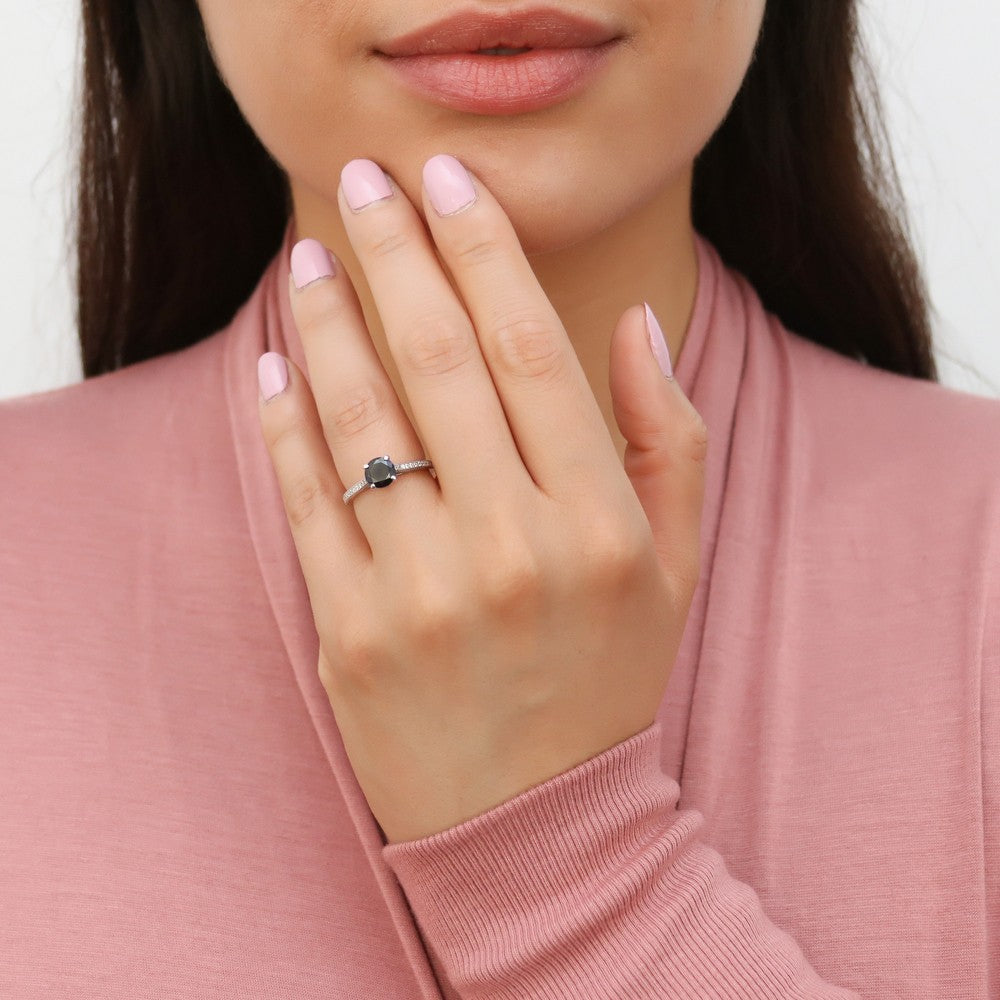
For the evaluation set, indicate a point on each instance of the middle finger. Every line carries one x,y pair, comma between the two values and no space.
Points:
455,405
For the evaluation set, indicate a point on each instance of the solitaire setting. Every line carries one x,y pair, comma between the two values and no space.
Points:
381,471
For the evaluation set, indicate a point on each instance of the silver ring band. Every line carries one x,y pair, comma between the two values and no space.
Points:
381,471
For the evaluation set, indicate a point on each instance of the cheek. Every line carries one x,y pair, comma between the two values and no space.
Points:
698,54
289,65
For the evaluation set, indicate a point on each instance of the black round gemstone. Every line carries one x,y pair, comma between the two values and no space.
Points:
380,472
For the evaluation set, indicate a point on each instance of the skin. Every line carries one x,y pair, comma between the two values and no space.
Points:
604,203
522,613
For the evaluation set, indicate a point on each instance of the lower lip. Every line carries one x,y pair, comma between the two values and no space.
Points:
501,85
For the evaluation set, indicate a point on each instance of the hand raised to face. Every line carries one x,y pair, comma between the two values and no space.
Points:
494,623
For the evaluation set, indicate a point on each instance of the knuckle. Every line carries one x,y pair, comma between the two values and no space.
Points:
613,552
292,426
319,311
433,615
511,577
384,244
683,574
359,657
437,346
357,409
309,495
327,674
696,438
481,249
529,348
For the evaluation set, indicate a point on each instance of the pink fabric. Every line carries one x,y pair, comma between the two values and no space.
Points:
813,814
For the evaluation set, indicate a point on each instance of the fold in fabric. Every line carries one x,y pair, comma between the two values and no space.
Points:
813,812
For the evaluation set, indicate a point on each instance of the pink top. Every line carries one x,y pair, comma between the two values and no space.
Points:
815,812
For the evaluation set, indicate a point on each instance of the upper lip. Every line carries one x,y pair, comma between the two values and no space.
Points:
472,30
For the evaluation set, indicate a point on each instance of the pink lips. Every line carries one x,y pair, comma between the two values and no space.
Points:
501,84
442,61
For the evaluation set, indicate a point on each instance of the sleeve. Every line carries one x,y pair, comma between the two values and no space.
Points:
990,750
594,886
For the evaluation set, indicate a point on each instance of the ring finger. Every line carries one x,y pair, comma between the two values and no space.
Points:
354,395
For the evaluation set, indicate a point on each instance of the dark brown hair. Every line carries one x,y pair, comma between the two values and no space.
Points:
180,207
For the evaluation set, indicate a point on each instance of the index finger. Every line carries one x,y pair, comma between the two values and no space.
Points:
534,365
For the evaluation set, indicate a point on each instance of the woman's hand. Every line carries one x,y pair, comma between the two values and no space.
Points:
487,629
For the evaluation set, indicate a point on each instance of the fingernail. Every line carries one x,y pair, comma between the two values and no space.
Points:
272,374
364,182
658,343
448,183
311,261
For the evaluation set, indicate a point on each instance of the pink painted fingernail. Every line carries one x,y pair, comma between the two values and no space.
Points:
658,343
272,374
364,182
448,183
311,261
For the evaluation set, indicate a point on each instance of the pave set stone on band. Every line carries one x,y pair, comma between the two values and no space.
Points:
381,471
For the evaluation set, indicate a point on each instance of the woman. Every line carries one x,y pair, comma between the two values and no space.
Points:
638,686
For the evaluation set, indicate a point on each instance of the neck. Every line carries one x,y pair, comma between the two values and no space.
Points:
647,255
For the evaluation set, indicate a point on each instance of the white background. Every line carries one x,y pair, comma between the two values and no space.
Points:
940,78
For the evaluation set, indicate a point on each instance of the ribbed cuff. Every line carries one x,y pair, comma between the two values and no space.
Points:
520,871
594,885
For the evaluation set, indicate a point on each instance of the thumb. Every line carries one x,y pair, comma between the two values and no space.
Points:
667,440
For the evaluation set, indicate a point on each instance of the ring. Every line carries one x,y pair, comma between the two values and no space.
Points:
381,471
